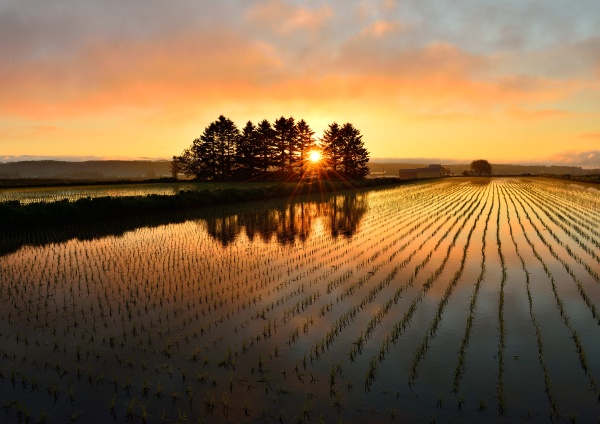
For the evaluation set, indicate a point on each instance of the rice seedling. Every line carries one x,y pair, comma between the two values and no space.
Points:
565,318
203,302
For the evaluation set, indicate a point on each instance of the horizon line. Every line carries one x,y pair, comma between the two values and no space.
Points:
417,161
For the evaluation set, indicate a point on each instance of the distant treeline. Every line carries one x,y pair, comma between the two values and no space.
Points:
14,215
102,171
392,168
286,149
86,170
594,179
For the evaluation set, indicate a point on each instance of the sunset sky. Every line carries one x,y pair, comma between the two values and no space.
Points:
508,81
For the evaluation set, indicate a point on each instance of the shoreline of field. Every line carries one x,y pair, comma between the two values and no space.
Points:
14,215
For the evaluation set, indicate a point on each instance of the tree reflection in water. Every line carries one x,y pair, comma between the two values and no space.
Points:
291,222
288,222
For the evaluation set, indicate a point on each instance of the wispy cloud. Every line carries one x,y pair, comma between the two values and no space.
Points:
381,28
538,114
284,18
591,135
585,159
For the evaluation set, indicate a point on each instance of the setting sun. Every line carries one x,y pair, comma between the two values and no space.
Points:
314,156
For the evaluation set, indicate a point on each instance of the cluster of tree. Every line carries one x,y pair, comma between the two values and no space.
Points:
265,150
481,167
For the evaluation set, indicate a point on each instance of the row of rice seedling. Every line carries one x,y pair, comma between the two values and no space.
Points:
554,413
401,325
277,314
433,326
161,298
499,235
563,314
501,328
347,317
378,317
569,228
584,200
584,227
591,306
459,369
342,278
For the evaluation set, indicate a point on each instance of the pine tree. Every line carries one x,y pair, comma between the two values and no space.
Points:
222,152
212,156
284,147
331,146
265,140
305,142
354,156
248,153
345,151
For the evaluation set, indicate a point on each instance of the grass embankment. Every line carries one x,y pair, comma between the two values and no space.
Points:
69,182
592,178
15,215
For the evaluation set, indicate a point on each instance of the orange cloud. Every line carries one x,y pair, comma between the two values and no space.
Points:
27,131
590,135
284,18
389,4
169,87
537,114
587,159
163,78
135,74
197,71
381,28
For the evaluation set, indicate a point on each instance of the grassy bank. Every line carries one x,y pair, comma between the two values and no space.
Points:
15,215
592,178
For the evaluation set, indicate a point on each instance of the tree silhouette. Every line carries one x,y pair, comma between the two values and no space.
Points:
175,168
354,155
247,154
305,143
481,167
331,145
281,150
212,156
284,146
265,139
345,151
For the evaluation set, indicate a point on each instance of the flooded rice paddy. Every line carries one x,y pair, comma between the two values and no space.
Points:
470,300
54,194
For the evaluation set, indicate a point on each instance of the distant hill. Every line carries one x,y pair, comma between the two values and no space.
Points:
146,169
391,169
87,170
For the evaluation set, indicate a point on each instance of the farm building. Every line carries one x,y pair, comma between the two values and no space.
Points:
432,171
377,174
